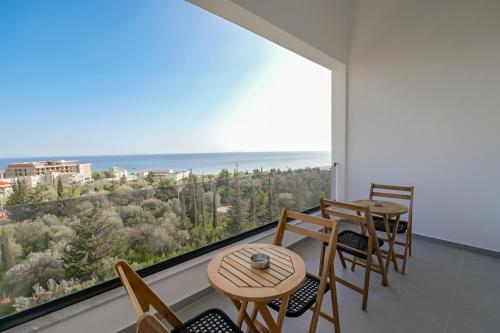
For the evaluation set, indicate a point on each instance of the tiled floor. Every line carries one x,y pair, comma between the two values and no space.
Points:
444,290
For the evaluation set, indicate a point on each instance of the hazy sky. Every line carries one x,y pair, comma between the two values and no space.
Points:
136,77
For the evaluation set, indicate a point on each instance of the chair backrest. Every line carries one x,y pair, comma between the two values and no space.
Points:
326,268
142,296
328,238
394,192
316,220
347,212
147,323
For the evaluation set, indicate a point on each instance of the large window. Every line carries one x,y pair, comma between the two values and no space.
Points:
150,131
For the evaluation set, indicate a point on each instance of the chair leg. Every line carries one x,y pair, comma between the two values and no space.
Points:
381,264
333,295
407,250
410,240
353,263
321,259
342,260
367,280
319,299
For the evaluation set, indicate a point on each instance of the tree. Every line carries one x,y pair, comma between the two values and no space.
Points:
53,290
33,236
60,188
236,213
270,206
97,237
20,193
9,250
39,267
150,178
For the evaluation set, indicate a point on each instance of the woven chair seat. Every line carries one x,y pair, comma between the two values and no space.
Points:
209,321
301,300
378,222
356,241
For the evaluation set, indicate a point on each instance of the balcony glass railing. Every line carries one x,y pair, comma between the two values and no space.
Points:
54,249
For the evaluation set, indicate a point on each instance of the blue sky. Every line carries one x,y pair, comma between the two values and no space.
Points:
126,77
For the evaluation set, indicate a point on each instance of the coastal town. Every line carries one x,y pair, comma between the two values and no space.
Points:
67,173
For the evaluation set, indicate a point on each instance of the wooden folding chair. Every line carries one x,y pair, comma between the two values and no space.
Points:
360,245
403,227
142,297
310,295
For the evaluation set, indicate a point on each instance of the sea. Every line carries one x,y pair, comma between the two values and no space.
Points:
205,163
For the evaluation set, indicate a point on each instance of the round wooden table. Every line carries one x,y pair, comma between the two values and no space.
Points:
230,273
388,210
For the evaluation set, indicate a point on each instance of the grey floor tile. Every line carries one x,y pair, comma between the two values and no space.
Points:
444,289
479,284
466,319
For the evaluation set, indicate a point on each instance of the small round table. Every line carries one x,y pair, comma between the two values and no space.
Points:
230,273
388,210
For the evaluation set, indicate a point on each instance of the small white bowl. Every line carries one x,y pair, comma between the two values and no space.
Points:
260,260
377,203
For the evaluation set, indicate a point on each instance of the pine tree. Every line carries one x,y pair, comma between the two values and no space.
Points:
214,205
236,213
96,238
270,205
6,255
195,208
20,193
60,188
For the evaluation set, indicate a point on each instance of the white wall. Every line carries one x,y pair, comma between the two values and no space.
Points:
424,109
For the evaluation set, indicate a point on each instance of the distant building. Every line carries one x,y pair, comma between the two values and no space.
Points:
163,174
118,173
46,171
5,188
141,175
67,178
34,180
5,192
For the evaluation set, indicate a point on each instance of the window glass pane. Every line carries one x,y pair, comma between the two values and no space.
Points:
148,130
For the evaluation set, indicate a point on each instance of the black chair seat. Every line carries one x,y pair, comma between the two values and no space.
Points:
356,241
302,299
209,321
378,222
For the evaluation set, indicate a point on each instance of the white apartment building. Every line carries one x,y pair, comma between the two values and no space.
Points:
34,173
163,174
118,173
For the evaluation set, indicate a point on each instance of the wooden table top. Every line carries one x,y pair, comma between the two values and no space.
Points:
230,273
387,208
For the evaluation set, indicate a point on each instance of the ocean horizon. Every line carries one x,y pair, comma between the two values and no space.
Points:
197,162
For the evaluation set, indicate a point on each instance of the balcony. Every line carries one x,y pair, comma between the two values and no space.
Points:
414,101
435,295
440,292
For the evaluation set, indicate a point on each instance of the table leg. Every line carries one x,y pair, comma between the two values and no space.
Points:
253,316
240,305
390,239
241,313
394,236
271,324
282,313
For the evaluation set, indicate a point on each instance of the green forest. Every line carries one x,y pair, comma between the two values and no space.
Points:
57,239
